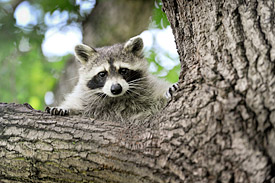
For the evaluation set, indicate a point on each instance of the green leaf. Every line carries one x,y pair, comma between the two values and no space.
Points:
173,74
159,17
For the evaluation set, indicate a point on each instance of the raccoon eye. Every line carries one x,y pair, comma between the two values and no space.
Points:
102,74
123,71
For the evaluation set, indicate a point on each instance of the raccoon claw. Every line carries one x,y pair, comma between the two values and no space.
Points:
172,89
57,111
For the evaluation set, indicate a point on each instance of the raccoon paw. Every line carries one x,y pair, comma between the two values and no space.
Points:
57,111
171,90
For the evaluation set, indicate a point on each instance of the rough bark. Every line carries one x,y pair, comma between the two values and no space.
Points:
219,127
38,147
224,124
110,22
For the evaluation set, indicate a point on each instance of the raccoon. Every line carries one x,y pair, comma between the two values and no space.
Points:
114,84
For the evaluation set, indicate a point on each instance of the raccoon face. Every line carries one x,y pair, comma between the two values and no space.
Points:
114,81
115,71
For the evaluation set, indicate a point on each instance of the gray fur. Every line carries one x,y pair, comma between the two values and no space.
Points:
144,97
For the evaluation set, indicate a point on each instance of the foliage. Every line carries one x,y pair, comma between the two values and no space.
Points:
26,73
171,75
160,21
28,76
159,17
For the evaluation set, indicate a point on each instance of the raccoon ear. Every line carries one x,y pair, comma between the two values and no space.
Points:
83,53
134,45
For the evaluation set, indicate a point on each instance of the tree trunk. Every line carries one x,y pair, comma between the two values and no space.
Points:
223,128
219,127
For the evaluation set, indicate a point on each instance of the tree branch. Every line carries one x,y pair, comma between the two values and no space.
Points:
36,145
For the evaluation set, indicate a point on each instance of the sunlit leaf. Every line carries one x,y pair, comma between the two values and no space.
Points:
159,17
173,74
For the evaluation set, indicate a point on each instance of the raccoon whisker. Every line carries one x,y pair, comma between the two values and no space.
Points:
90,95
129,93
134,84
94,101
134,92
91,91
139,79
136,87
104,97
94,98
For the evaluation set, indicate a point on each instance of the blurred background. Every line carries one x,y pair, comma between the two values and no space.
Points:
37,38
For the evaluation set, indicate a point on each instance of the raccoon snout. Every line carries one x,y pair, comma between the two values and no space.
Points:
116,89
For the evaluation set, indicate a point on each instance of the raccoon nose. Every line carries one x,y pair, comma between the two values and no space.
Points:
116,89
